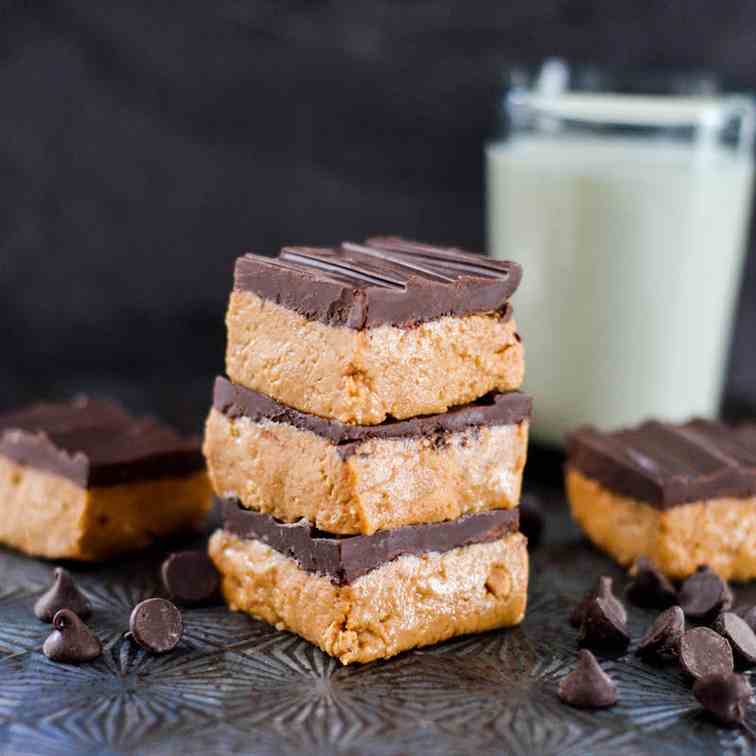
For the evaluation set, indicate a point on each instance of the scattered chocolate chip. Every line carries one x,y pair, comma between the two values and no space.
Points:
650,588
704,595
71,640
578,611
156,625
705,652
604,591
190,577
603,627
62,594
748,614
741,637
588,686
531,520
724,696
662,640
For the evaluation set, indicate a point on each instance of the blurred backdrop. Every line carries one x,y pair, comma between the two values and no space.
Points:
142,149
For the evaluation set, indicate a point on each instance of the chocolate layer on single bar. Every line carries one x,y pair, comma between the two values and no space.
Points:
664,464
345,558
746,433
96,443
385,281
493,409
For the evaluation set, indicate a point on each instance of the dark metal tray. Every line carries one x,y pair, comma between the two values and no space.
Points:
238,686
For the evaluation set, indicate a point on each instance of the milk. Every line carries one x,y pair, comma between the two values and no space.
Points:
632,249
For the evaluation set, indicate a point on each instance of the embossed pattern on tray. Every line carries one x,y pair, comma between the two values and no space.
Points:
238,686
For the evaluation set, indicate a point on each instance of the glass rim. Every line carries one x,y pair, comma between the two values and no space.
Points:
634,97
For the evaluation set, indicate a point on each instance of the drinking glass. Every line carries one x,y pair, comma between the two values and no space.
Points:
626,198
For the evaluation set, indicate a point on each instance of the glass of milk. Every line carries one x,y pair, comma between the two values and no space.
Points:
628,208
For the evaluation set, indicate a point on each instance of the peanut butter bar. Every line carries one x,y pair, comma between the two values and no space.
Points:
342,332
681,495
361,479
86,480
361,598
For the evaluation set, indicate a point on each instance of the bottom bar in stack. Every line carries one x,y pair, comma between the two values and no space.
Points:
361,598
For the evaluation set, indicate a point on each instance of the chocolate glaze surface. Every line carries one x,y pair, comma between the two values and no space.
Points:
345,558
665,465
746,434
234,401
96,443
385,281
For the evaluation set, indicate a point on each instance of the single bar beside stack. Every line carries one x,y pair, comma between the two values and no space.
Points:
368,448
681,495
86,480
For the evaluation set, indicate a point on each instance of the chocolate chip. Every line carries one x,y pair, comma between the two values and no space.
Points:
588,686
749,616
602,590
724,696
62,594
190,577
603,627
156,625
650,588
704,595
741,637
662,640
578,611
531,520
71,640
705,652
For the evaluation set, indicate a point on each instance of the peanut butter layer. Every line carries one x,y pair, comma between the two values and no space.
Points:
366,376
292,473
720,532
48,515
409,602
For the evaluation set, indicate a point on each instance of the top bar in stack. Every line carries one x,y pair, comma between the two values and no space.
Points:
343,332
682,495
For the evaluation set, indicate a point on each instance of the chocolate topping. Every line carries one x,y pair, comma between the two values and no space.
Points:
345,558
62,594
156,625
96,443
588,686
385,281
665,465
746,434
494,409
71,641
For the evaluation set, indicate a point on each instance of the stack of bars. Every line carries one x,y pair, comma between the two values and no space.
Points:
368,448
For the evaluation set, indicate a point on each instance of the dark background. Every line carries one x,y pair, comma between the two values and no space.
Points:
143,147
